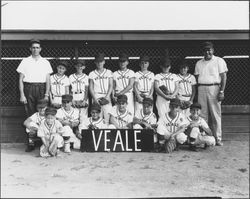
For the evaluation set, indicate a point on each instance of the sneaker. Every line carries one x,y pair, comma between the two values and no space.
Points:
30,148
219,143
71,145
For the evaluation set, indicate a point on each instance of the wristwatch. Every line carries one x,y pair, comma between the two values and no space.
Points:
221,91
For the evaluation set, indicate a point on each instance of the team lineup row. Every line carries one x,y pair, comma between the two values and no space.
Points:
129,91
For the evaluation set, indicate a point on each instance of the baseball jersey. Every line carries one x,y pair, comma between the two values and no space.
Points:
45,131
101,80
145,81
121,79
72,115
168,80
200,121
150,119
78,83
121,119
37,118
209,71
185,85
58,84
172,125
99,123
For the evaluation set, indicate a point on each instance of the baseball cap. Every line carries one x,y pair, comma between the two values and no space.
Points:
122,98
42,103
195,105
99,57
175,101
148,101
165,62
96,107
145,58
50,111
79,62
207,45
67,98
35,41
123,57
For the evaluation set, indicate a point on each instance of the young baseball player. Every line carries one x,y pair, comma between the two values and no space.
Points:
101,85
79,82
166,87
93,122
50,132
144,83
186,91
59,85
171,126
198,130
69,117
124,81
32,124
120,117
145,118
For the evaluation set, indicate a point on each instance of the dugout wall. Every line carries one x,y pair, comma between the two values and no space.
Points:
233,46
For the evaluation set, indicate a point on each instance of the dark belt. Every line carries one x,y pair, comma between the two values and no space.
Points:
34,84
78,92
186,95
214,84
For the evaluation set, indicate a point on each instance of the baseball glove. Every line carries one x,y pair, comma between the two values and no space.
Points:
185,104
170,145
81,104
91,126
103,101
164,90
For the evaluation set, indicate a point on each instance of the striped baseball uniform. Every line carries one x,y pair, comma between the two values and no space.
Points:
121,119
101,87
36,120
50,133
145,83
168,80
57,86
78,85
201,137
185,89
100,124
168,126
121,79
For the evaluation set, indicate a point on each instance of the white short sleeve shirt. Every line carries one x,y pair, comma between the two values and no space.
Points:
122,119
72,115
46,131
209,71
34,71
78,83
58,84
145,81
150,118
185,84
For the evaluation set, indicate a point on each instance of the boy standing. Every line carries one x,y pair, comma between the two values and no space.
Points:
144,83
50,132
32,124
166,87
124,79
59,85
101,86
171,127
186,90
79,82
198,131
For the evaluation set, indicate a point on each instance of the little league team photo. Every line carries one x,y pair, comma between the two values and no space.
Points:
62,111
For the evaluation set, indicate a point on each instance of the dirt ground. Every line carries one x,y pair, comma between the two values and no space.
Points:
220,171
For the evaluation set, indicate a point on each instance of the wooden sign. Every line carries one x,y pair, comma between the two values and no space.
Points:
117,140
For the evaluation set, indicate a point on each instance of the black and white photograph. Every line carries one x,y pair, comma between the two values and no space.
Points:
124,99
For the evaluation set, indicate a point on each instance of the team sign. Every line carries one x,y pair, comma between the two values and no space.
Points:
119,140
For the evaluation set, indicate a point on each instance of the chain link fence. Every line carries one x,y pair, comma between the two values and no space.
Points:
237,89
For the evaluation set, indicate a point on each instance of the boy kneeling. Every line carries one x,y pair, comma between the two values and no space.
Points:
198,131
171,127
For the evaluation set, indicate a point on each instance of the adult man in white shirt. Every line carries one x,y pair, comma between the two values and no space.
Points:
211,73
34,78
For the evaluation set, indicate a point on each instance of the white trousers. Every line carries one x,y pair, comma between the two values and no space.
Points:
162,106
